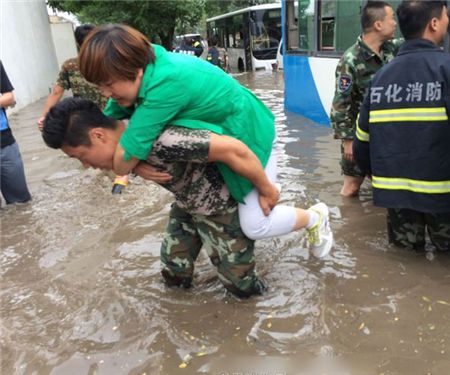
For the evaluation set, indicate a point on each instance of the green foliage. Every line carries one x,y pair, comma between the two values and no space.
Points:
156,19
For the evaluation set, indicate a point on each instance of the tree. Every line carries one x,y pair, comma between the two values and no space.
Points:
156,19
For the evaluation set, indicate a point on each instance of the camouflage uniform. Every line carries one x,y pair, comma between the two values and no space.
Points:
354,72
70,78
406,228
204,214
223,55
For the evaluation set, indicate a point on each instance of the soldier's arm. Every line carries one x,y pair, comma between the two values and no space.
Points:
245,163
342,116
361,144
62,84
53,98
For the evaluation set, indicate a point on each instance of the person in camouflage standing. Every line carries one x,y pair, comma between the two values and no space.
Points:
204,212
70,78
373,49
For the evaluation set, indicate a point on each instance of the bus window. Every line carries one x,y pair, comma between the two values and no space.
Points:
306,16
348,25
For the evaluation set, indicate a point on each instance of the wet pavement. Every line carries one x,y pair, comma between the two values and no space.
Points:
81,290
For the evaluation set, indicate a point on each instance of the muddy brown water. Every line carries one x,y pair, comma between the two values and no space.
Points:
81,290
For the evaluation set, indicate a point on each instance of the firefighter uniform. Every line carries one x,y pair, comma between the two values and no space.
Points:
403,140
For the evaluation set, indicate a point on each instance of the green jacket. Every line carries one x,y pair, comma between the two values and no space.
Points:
354,72
181,90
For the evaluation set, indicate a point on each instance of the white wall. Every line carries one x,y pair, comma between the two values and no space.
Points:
64,41
27,50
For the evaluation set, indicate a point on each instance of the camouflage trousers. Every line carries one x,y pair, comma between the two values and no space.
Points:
348,167
227,247
406,228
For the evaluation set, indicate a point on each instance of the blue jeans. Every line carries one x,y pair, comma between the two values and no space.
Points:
13,184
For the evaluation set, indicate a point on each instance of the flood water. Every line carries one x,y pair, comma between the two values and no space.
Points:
81,292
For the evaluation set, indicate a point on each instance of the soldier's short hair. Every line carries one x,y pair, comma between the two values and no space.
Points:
372,12
81,33
68,123
414,16
114,52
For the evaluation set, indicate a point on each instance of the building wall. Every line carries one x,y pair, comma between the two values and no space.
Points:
64,41
27,50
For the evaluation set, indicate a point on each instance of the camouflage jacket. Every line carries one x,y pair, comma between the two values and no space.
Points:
354,72
70,78
198,186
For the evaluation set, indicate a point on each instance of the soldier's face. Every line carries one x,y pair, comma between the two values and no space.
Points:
388,24
124,92
99,154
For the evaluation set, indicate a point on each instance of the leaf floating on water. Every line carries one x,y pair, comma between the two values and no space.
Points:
429,308
426,299
361,326
443,302
269,325
365,275
182,365
396,319
431,327
201,354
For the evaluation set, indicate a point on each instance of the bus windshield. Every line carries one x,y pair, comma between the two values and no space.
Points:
265,32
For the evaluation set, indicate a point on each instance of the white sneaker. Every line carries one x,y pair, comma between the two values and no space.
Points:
320,235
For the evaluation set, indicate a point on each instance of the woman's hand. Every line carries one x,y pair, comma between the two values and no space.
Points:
149,172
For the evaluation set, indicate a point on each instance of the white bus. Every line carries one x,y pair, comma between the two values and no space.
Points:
251,35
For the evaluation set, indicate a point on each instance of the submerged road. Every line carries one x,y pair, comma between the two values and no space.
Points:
81,291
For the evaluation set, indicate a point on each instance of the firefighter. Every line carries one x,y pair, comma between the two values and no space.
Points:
403,131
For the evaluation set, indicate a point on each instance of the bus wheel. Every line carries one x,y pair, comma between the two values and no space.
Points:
241,65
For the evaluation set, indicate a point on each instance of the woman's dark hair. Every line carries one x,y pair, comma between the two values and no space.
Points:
114,52
68,123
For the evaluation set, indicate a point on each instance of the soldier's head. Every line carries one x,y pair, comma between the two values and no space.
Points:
215,40
423,19
379,17
81,33
82,131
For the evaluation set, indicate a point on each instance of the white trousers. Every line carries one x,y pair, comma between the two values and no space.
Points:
253,222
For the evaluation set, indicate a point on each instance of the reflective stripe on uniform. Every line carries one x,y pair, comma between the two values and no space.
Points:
417,186
361,134
409,114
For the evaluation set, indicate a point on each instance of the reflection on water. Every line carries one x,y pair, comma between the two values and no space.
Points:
81,290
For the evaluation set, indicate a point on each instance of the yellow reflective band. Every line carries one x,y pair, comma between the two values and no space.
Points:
409,114
361,134
417,186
